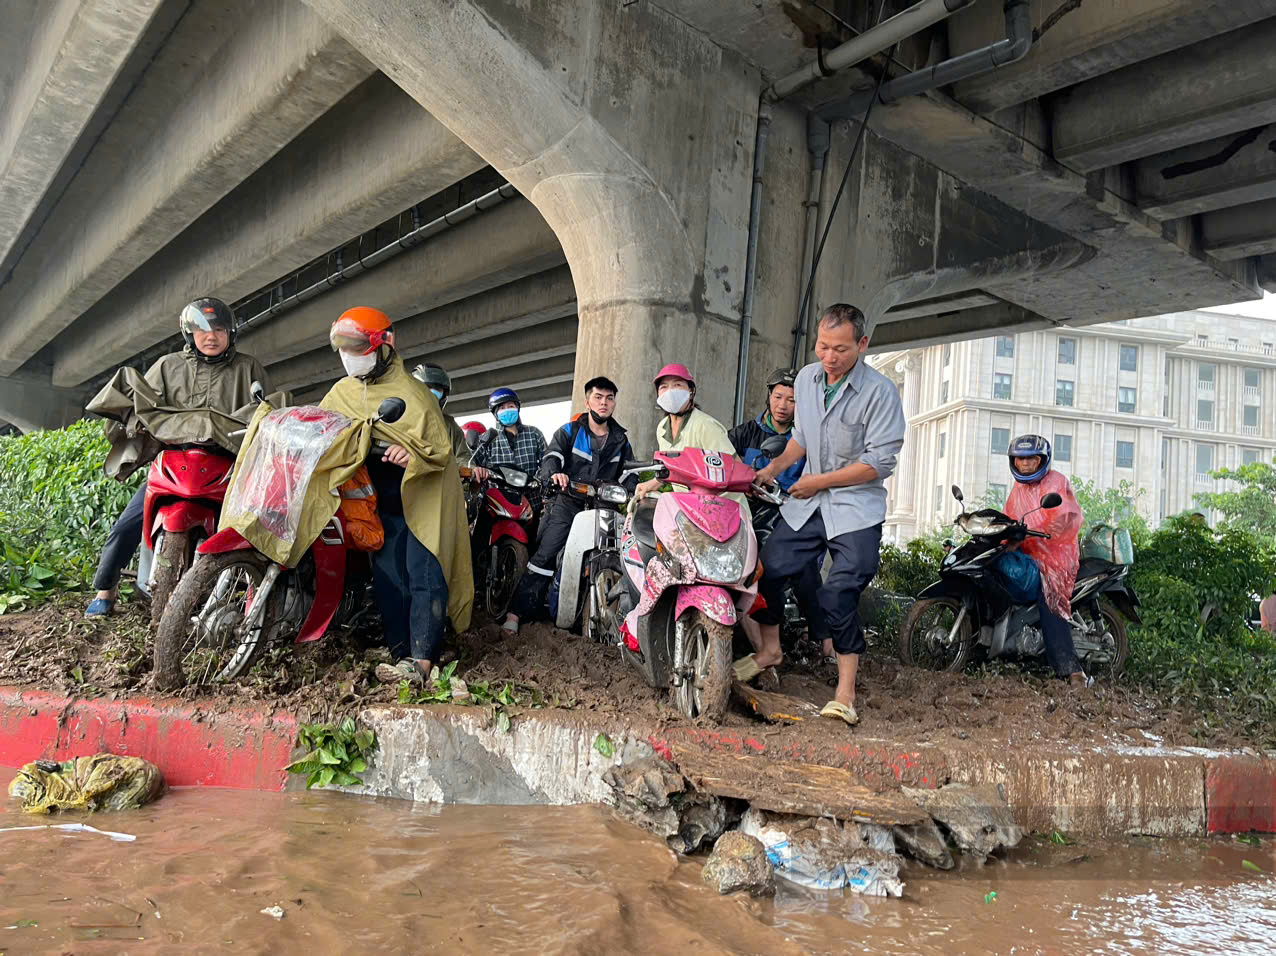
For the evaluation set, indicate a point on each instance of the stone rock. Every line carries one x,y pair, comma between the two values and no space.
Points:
978,817
924,842
650,794
739,862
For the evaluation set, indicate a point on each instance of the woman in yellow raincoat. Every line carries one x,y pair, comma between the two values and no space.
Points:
423,570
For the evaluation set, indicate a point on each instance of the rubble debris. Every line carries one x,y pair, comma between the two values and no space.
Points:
825,854
924,842
978,817
804,789
775,708
652,795
739,862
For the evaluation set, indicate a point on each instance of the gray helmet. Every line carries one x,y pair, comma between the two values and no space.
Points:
434,377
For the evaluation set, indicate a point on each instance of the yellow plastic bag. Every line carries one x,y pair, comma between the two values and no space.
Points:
99,782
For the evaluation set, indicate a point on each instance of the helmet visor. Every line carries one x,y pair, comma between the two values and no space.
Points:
347,335
206,319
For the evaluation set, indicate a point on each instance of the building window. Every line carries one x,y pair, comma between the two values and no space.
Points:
1204,459
948,353
1001,385
1067,351
1205,411
1000,443
1126,399
943,392
1063,448
943,443
1205,375
1249,456
1125,454
1252,377
1202,339
1165,453
1251,416
1129,358
939,498
1005,346
1233,344
1064,392
996,494
1268,348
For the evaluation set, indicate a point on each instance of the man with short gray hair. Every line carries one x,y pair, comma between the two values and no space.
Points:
850,426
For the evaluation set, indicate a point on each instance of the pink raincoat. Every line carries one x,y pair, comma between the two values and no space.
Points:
1058,556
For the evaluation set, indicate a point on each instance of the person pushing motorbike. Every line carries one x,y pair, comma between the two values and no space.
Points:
1058,556
423,571
207,373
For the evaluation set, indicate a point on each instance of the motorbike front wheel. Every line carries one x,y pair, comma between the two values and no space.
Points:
174,554
503,576
933,637
202,636
704,687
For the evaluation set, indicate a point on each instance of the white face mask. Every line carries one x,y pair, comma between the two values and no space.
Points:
358,365
673,400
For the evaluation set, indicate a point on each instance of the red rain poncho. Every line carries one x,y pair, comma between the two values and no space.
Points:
1059,555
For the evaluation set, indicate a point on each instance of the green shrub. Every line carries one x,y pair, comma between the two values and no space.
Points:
56,508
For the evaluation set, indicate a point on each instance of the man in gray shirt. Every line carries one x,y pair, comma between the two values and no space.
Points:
850,426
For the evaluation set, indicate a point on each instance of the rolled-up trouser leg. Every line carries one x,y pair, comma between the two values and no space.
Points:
125,536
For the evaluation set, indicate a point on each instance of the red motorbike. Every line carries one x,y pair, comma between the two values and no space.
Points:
184,492
502,527
235,601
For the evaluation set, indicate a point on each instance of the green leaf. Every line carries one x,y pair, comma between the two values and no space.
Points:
990,896
603,744
326,756
358,765
503,722
326,775
348,727
365,740
25,924
77,672
1250,865
41,573
343,779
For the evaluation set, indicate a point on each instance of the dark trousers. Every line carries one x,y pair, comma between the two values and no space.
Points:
856,555
411,592
121,543
1057,634
806,590
556,524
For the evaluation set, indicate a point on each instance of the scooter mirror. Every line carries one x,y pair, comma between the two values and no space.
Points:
1052,500
957,493
391,410
257,391
774,446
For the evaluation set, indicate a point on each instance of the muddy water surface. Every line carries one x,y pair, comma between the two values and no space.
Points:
356,874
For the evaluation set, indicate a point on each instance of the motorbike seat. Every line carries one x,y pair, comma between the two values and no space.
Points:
644,527
1093,566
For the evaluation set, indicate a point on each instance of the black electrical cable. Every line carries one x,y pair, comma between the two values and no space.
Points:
828,222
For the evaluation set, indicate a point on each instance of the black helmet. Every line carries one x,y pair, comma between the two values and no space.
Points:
205,315
1029,446
434,377
781,376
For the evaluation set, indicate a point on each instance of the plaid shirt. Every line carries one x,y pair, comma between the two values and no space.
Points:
524,451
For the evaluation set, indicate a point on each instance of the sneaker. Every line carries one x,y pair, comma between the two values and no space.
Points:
100,607
405,669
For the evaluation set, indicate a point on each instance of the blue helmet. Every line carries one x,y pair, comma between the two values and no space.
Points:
500,397
1029,446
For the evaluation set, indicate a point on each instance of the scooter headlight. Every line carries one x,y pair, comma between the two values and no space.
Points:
612,494
978,524
719,561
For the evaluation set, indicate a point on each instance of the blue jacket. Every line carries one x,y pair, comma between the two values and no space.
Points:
748,437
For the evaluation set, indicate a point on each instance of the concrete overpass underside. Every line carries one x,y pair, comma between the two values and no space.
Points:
539,193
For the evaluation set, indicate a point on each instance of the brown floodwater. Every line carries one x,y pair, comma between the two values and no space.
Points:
360,874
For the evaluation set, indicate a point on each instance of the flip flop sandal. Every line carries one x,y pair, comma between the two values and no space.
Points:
746,668
839,711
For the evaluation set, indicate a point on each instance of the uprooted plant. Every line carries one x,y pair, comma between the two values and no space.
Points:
335,753
502,700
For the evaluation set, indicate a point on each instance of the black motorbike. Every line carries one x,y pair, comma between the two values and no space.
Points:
969,608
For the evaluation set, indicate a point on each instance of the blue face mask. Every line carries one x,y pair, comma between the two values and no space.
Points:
437,393
507,416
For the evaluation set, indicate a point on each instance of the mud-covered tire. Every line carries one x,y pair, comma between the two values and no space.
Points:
173,558
1114,622
175,635
503,577
709,656
601,620
911,633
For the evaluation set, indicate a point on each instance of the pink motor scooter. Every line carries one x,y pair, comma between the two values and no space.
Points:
690,561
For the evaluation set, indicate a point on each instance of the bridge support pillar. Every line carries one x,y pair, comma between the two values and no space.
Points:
30,404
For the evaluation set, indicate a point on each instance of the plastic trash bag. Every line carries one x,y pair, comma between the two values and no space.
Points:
1020,576
99,782
824,854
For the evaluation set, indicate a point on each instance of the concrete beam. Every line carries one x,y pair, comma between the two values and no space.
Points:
506,243
30,403
73,53
524,376
541,395
942,305
1240,231
301,204
1221,85
1000,319
1229,171
280,71
1076,41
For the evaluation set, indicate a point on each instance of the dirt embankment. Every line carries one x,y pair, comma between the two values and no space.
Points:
57,649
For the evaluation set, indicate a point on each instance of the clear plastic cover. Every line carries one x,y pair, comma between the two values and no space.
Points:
275,470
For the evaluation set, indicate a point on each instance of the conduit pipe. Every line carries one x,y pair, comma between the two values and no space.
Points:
868,44
818,138
751,255
406,241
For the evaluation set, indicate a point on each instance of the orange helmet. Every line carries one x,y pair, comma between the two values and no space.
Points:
360,330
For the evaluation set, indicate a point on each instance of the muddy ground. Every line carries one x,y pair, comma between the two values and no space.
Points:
57,649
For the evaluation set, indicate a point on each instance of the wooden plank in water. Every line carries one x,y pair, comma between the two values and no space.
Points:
781,786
